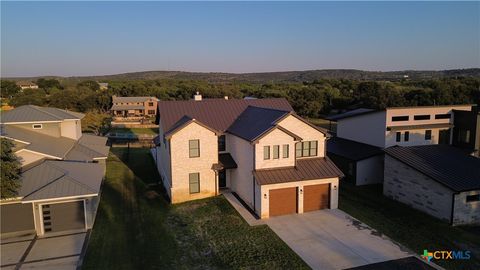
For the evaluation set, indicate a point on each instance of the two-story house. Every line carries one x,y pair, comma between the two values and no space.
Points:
258,148
61,171
134,108
420,167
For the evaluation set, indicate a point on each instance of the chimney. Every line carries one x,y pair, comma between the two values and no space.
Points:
225,97
197,97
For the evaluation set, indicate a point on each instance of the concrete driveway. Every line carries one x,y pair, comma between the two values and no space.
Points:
53,252
331,239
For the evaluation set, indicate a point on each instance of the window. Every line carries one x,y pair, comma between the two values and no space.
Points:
37,126
285,151
306,149
150,104
266,152
473,198
194,181
442,116
421,117
151,111
406,136
221,143
399,118
464,135
428,134
399,136
276,151
194,148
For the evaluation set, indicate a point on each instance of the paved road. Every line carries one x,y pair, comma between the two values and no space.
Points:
29,252
331,239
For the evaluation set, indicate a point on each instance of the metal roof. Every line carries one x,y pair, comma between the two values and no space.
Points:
31,113
428,126
447,165
226,161
219,114
131,99
116,107
305,169
60,179
351,150
255,121
352,113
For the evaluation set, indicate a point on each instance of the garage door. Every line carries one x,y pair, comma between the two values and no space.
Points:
63,216
316,197
16,217
283,201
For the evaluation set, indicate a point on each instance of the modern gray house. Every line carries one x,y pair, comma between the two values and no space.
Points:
62,172
439,180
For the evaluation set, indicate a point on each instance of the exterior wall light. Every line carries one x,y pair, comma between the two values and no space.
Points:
335,187
301,191
265,195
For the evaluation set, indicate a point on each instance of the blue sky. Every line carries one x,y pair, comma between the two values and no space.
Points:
90,38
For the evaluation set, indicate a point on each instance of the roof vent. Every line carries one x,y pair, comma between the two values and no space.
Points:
197,97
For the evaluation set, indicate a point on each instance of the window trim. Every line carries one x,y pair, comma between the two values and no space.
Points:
285,151
276,148
40,126
194,183
266,152
190,148
306,149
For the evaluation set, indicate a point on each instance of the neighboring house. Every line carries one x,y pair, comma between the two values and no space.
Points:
439,180
27,85
466,133
361,163
134,107
62,171
404,126
103,85
258,148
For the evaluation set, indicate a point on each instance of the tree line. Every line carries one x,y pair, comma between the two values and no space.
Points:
310,99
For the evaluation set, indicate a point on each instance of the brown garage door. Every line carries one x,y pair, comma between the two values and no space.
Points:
63,216
16,217
283,201
316,197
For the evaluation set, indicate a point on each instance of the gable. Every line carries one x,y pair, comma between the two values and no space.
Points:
300,128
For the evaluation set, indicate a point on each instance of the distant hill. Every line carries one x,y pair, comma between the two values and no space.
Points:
285,76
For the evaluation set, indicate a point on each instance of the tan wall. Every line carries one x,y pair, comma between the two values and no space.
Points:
263,212
51,129
275,137
154,107
306,132
241,177
71,129
411,111
182,164
416,137
26,157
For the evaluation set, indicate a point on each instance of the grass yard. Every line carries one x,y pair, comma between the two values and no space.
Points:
323,123
135,232
137,131
414,229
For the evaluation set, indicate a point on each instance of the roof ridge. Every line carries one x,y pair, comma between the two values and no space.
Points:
47,184
68,175
38,109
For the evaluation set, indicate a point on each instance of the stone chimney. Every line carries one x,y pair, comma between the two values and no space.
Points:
225,97
197,97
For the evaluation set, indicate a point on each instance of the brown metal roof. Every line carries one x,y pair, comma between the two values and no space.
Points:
226,161
218,114
306,169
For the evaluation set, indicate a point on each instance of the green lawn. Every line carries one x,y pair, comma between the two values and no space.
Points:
137,131
414,229
135,232
323,123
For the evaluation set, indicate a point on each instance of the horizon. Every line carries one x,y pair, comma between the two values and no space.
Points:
217,37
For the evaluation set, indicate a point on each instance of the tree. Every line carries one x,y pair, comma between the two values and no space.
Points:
8,88
89,84
10,181
29,97
48,83
96,122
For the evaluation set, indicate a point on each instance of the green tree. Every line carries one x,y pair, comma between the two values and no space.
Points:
8,88
10,181
89,84
48,83
29,97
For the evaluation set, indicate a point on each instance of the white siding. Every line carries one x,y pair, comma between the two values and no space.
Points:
71,129
242,177
370,170
369,128
275,137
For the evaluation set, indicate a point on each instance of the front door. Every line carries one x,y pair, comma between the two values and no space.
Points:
222,179
444,136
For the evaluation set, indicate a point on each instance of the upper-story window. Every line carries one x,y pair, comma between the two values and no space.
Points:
399,137
150,103
428,134
406,136
151,111
421,117
285,151
221,143
276,151
37,126
266,152
306,149
194,148
400,118
442,116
